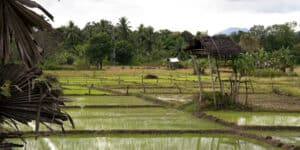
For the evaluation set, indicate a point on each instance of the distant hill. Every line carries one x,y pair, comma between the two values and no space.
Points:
233,29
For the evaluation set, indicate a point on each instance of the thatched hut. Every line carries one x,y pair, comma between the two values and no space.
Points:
218,47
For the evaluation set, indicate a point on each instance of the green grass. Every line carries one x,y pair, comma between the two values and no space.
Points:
146,142
106,100
138,118
78,90
258,118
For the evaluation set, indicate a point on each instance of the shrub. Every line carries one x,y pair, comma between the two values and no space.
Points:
82,64
223,100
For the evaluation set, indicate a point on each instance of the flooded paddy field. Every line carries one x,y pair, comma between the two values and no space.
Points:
145,142
258,118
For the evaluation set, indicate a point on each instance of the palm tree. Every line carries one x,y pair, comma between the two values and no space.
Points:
72,37
123,28
150,39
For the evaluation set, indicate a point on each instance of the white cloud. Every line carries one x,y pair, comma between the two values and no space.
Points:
192,15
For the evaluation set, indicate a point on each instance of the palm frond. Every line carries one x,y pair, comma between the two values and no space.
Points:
17,23
31,99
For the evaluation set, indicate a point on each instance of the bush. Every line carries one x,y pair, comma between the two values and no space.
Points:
224,102
82,64
51,65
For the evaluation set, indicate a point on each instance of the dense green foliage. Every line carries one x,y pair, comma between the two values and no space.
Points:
69,44
98,48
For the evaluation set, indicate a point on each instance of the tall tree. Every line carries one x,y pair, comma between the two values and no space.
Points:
259,32
123,28
73,37
99,48
280,36
124,52
249,42
187,36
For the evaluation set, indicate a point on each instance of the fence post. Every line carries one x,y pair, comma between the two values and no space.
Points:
144,88
171,79
127,89
179,89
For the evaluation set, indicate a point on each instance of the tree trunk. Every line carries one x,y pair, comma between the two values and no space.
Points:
98,65
101,65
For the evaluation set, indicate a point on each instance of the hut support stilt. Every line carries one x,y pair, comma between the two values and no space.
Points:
199,79
219,77
212,80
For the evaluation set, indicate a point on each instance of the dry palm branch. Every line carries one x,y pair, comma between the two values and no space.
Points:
24,97
17,23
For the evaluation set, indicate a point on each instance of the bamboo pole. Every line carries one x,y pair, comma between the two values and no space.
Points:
199,79
219,77
212,80
217,65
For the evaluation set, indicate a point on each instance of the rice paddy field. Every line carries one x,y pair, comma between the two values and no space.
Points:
258,118
106,101
146,142
181,83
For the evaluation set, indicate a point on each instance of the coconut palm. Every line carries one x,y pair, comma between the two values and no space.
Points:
123,28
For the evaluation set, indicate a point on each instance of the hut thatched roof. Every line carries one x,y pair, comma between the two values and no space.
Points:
222,47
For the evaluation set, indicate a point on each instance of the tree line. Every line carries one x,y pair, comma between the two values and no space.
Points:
103,42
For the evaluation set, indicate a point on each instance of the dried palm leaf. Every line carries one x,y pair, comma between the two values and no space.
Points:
17,23
31,99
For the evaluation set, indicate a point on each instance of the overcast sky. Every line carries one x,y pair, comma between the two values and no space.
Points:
177,15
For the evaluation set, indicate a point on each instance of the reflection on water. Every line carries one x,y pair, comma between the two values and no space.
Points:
146,143
289,139
259,118
270,120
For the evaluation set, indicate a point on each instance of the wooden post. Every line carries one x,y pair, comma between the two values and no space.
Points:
144,88
186,79
119,80
217,65
246,100
212,80
171,79
127,89
199,79
179,89
219,77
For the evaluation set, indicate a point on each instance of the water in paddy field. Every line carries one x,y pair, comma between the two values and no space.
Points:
144,143
259,118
